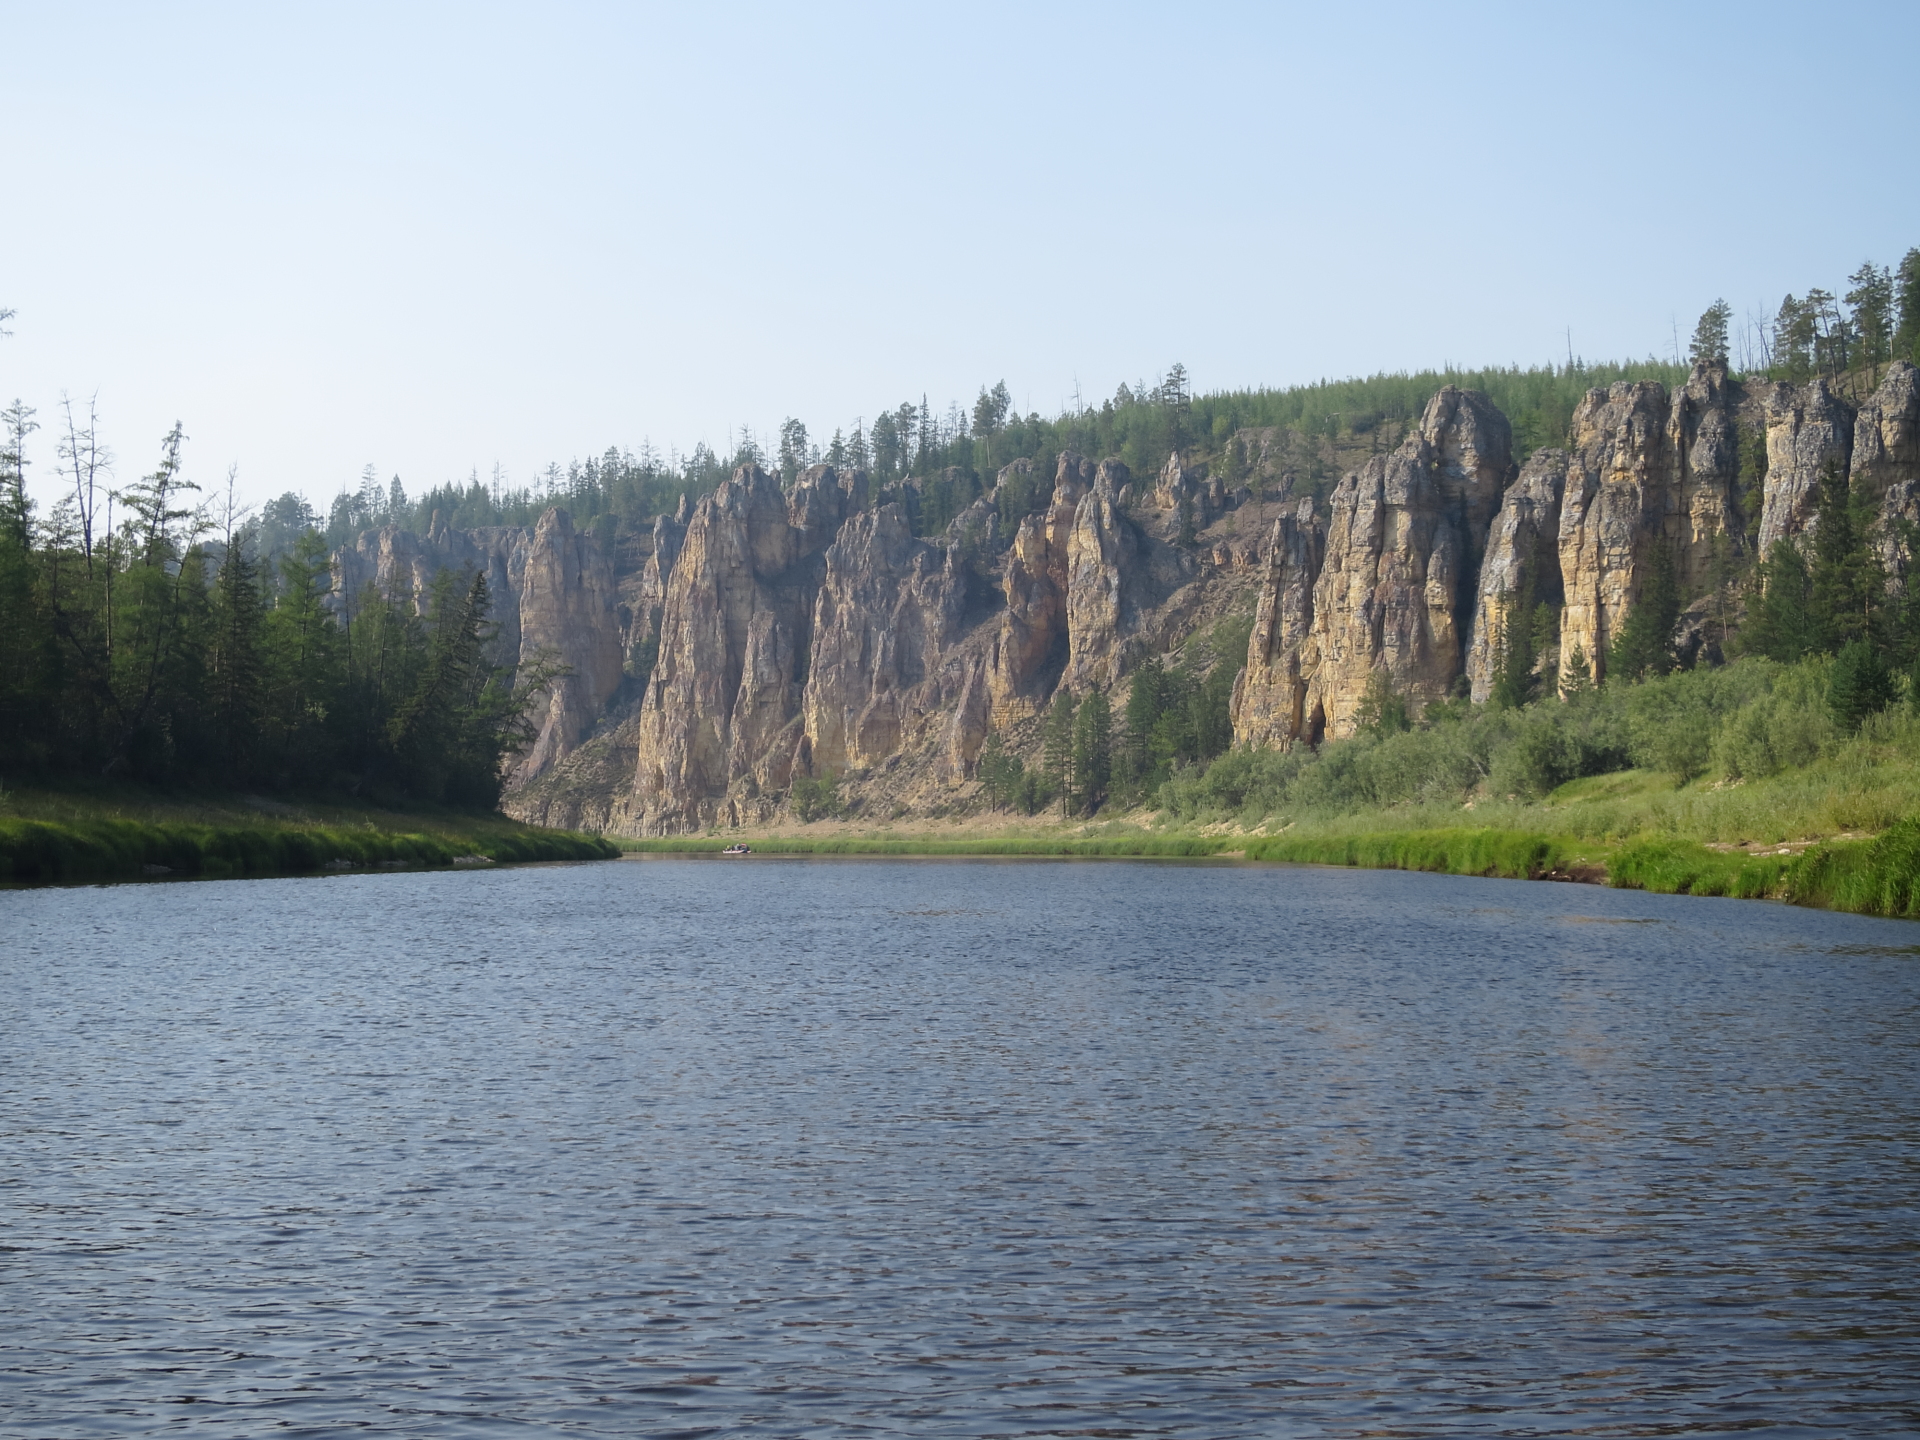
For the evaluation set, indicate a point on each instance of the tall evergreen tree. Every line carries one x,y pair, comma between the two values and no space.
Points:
1092,751
1906,300
236,668
1709,345
1644,644
1849,586
1056,749
1872,318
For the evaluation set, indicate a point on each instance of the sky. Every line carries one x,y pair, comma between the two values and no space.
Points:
437,239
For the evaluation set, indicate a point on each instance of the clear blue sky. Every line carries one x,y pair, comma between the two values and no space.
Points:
439,238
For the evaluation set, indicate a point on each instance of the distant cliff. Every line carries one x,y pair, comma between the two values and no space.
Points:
806,632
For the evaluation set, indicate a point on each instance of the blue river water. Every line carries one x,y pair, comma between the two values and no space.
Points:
690,1147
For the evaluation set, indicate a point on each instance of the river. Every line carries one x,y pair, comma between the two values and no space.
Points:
690,1147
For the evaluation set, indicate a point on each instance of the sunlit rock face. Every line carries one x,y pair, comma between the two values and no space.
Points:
568,617
1404,539
726,686
1521,567
1886,457
888,610
1270,697
1103,585
1616,488
1809,433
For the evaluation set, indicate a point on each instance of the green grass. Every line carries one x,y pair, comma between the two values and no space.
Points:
1865,877
1143,845
118,832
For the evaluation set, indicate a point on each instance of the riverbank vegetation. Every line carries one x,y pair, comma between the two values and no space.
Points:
111,830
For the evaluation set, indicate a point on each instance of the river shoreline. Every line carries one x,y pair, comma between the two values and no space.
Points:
1862,876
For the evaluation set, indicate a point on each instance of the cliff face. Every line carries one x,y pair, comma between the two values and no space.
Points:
808,632
1404,539
1521,568
1808,430
554,602
733,633
1270,697
1886,456
567,616
889,609
1103,584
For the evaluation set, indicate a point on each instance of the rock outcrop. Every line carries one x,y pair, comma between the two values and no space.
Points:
1809,431
1886,459
1403,545
1031,650
1701,518
1521,568
717,727
888,610
807,631
1615,499
1269,704
567,619
651,602
1102,584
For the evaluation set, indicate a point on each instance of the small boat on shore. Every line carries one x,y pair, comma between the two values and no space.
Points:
738,850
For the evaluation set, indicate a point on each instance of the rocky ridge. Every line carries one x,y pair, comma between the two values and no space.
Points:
1416,581
806,632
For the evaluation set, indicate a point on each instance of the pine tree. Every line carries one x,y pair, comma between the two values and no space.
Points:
1514,655
1644,645
1382,710
1849,586
1793,337
1709,346
1092,751
793,450
1056,749
1780,621
1871,303
1906,297
1861,685
236,668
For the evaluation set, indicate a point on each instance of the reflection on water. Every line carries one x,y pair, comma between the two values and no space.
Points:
680,1147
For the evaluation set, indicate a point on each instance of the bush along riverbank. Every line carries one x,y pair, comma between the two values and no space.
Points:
110,834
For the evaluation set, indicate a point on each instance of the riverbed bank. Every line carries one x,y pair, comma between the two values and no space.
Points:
111,831
1863,875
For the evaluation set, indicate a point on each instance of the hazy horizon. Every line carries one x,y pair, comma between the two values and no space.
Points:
449,239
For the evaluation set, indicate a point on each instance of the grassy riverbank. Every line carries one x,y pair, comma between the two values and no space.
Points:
1807,836
110,831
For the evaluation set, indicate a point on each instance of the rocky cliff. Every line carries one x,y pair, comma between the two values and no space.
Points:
1393,596
806,633
1416,577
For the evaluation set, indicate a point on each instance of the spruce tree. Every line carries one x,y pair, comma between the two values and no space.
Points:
236,666
1848,585
1092,751
1056,749
1709,345
1514,656
1861,685
1906,301
1780,620
1644,645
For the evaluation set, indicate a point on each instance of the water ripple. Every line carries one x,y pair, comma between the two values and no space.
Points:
1035,1149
